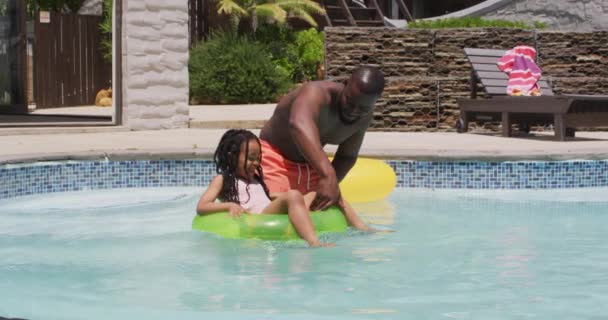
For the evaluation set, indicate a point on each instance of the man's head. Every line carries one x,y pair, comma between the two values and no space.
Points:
360,94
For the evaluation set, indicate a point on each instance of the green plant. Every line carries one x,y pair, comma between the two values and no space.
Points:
106,30
228,68
56,5
274,35
309,49
4,83
31,9
298,53
4,5
540,25
278,39
472,22
52,5
246,15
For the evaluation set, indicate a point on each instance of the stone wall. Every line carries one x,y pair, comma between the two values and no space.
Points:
155,64
427,71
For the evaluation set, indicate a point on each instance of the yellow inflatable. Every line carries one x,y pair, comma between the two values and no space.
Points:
368,180
381,212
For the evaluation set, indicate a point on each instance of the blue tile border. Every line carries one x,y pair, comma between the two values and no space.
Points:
502,175
46,177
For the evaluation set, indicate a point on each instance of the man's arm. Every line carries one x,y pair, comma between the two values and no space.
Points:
347,154
304,130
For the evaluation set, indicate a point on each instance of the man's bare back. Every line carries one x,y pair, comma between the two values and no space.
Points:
316,114
331,129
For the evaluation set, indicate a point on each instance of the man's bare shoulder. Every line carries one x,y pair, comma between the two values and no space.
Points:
323,90
323,85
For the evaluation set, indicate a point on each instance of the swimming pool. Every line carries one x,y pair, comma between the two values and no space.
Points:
124,253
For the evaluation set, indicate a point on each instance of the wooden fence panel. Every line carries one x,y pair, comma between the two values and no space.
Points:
204,19
69,68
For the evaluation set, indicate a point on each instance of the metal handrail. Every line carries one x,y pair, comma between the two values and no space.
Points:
347,13
403,9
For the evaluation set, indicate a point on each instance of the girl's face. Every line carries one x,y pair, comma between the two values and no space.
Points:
249,162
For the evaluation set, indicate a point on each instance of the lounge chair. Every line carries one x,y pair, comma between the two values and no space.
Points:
564,112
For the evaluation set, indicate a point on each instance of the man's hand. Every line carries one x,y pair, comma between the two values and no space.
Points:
235,210
328,193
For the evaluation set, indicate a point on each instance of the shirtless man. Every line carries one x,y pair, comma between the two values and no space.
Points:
308,118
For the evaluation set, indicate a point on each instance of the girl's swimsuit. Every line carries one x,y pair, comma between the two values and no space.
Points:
256,200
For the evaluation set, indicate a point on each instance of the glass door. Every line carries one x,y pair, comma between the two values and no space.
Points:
13,98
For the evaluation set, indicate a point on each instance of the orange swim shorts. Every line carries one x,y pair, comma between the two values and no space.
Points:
282,174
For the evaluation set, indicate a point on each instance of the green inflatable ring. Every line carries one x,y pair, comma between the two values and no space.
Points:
267,226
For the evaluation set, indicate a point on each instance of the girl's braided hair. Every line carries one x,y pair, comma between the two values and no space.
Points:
226,159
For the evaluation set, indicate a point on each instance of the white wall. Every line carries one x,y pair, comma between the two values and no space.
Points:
565,15
571,15
155,64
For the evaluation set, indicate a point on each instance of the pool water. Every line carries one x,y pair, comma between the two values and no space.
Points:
456,254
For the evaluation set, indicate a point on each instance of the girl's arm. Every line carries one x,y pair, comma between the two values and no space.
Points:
207,203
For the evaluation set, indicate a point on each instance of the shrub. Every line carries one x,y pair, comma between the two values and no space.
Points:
106,30
309,50
278,40
473,22
56,5
231,69
298,53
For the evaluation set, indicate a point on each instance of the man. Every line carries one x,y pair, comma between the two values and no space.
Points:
307,118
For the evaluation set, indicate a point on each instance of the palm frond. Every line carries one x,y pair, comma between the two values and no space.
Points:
307,5
230,7
234,22
303,15
271,11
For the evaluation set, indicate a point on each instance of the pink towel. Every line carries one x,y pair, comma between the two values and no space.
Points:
523,72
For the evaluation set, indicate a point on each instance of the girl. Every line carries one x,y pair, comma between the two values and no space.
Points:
240,188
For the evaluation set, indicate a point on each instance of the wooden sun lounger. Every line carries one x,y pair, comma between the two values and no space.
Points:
564,112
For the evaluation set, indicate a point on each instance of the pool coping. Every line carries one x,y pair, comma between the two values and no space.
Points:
201,143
